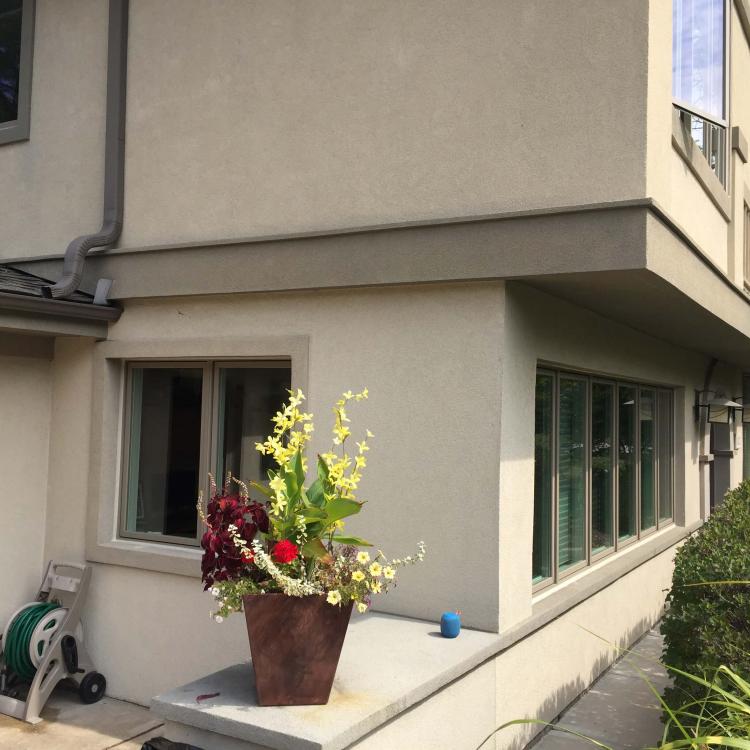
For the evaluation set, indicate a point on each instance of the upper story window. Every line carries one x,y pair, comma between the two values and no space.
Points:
699,75
16,39
603,473
182,420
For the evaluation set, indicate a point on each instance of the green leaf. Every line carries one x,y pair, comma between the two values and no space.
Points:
322,470
314,548
313,514
261,488
315,493
354,541
292,485
341,508
298,469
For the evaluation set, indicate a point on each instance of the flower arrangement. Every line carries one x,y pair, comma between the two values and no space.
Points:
293,542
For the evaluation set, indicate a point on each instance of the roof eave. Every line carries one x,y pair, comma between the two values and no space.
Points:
55,317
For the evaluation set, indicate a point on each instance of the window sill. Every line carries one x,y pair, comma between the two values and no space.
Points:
555,601
688,149
154,556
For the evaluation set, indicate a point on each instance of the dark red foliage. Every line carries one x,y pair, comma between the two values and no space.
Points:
222,560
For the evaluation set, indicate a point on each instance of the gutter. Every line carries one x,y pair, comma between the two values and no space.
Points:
114,165
57,308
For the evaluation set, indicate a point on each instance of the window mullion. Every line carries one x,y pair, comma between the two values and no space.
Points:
206,429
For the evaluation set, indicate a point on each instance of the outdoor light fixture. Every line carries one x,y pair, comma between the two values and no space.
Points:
719,409
742,413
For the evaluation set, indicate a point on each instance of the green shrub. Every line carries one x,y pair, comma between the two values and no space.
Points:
706,627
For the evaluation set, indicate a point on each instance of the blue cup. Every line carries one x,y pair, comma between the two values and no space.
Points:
450,624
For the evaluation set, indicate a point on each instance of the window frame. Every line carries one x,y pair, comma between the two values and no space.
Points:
208,434
683,108
594,557
19,129
618,545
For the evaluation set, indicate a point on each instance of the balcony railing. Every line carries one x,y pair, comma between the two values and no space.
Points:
711,138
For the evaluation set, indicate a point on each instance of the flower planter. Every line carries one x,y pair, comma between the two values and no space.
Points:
295,644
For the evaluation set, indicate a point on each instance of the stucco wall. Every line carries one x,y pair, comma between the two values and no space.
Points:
431,359
439,361
51,185
669,179
24,442
249,118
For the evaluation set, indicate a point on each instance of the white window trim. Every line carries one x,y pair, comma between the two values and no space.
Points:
102,542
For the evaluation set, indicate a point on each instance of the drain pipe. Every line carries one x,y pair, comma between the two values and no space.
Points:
114,164
705,458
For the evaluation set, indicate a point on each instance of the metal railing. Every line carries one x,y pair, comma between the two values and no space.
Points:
710,136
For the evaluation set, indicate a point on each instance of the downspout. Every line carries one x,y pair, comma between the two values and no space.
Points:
114,164
704,457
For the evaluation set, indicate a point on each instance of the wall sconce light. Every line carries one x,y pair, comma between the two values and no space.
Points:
719,409
742,414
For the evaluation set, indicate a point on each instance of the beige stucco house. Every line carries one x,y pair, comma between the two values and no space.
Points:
525,227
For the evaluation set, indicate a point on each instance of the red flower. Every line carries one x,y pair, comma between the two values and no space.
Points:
285,551
247,555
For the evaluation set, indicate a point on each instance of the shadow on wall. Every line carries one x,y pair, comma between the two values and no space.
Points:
559,698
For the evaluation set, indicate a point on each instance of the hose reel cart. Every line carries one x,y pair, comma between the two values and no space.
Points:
42,644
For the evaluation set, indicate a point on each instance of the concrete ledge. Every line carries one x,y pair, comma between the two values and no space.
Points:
388,664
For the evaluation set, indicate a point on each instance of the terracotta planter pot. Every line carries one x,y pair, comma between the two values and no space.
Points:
295,643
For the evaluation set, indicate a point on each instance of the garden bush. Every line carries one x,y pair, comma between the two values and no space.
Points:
709,626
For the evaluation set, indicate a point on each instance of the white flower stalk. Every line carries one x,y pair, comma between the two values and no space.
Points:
290,586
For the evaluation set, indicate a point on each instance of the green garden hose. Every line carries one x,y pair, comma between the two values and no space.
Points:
16,647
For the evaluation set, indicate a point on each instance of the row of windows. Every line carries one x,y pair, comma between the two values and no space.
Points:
603,472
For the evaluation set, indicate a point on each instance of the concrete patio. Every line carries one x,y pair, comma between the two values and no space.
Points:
70,725
619,710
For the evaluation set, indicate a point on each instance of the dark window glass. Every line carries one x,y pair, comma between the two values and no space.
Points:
164,450
602,465
571,526
648,460
11,12
626,461
666,454
543,434
248,398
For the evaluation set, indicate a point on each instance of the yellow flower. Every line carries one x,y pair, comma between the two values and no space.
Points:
339,525
376,587
389,573
363,557
358,575
376,569
361,607
334,597
277,484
